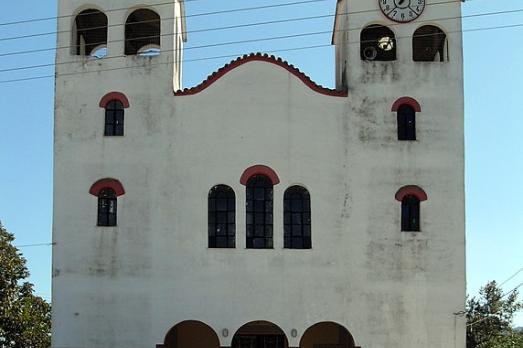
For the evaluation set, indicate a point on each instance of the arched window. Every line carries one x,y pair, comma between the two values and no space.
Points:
259,212
107,207
428,44
406,122
259,334
297,218
377,43
191,334
410,214
142,33
107,190
114,118
327,334
91,34
410,198
222,217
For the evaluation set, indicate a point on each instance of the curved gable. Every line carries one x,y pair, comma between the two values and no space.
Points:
258,57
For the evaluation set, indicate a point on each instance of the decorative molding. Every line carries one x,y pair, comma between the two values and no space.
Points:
411,190
259,57
114,96
107,183
259,170
406,100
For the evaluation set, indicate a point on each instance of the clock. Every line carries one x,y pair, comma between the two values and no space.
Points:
402,11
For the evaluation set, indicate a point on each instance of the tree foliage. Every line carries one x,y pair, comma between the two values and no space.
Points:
25,319
490,318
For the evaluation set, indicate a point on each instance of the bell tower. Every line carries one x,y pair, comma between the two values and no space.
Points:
398,42
401,63
121,42
115,60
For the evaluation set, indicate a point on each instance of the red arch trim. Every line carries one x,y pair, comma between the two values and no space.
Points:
259,170
406,100
114,96
107,183
411,190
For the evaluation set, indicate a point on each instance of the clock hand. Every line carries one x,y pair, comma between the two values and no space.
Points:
401,2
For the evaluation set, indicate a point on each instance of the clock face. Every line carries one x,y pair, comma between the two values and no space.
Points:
402,11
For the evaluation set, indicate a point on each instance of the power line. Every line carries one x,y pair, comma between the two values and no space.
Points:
503,296
233,27
211,58
159,64
166,3
261,39
511,277
202,14
512,291
34,245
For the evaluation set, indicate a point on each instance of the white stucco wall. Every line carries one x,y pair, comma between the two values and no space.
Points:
126,286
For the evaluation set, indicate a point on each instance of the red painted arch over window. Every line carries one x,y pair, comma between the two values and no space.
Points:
259,170
107,183
406,100
411,190
114,96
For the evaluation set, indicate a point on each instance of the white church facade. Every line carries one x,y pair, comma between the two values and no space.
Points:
259,209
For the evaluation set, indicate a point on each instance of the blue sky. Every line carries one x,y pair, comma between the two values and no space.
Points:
494,118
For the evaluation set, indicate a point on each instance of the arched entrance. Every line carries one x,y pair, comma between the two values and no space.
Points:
327,335
259,334
191,334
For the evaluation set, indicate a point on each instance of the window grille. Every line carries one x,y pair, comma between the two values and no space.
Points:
259,212
114,118
222,217
410,214
297,218
107,207
406,123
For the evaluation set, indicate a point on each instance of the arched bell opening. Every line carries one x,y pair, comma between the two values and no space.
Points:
429,44
377,43
142,33
191,334
260,334
90,27
327,334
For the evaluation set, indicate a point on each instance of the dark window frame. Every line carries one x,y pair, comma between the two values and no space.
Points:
114,118
221,217
410,214
406,115
259,341
107,208
297,218
259,213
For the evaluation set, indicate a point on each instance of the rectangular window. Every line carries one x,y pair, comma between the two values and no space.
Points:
259,217
114,119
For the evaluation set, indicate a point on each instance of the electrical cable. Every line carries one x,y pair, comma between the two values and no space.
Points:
166,3
34,245
232,27
513,290
210,58
250,40
198,15
503,296
511,277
